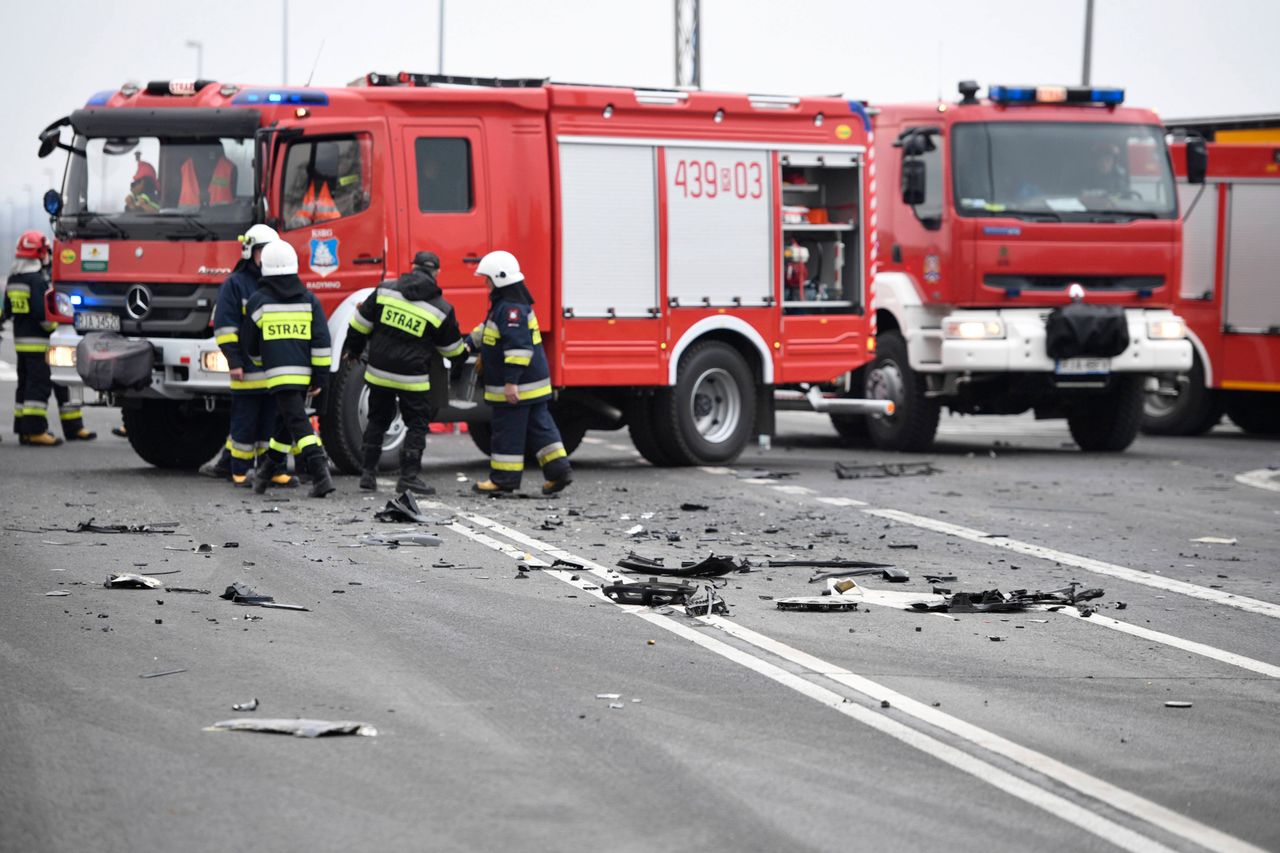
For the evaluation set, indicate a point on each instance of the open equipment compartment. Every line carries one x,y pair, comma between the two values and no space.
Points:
821,213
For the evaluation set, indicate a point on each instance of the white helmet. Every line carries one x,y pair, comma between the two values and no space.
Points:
279,258
257,235
501,268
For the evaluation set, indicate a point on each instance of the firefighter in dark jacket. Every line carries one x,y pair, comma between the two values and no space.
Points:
286,336
253,412
517,383
404,322
24,295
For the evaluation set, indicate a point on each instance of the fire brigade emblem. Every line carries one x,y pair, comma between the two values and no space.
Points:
324,256
932,268
513,317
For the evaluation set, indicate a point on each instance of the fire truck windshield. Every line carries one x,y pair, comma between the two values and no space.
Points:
1061,171
155,188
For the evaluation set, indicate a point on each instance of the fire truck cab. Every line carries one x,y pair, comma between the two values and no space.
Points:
660,233
990,210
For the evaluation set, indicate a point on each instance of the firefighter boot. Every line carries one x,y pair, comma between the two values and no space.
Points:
550,487
410,473
82,435
262,476
40,439
369,467
321,481
489,487
220,468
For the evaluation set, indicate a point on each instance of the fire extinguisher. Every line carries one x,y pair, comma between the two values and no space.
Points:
796,271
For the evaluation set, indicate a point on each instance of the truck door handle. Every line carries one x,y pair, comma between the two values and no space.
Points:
365,259
471,259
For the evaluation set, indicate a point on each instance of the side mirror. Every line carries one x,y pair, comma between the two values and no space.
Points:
49,139
53,202
1197,160
913,175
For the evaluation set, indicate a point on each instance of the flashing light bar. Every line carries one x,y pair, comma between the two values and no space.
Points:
1056,95
282,97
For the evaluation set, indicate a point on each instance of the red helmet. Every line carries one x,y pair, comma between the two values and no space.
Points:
32,244
144,170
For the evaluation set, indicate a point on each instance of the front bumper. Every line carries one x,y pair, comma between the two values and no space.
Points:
178,373
1022,349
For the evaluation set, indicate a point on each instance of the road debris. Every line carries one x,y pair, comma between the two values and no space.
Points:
129,580
1177,704
845,471
888,573
239,593
90,527
404,537
57,593
705,602
295,727
692,507
608,695
995,601
1215,540
404,508
251,705
840,594
158,674
651,593
713,566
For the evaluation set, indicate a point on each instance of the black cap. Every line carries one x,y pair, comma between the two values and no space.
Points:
427,261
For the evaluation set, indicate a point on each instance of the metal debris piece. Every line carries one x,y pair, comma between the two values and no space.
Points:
395,540
295,727
1177,704
828,564
840,594
129,580
251,705
705,602
239,593
158,674
995,601
275,605
713,566
90,527
651,593
187,589
1215,540
405,509
884,469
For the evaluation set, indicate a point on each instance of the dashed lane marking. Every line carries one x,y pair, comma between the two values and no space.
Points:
1261,478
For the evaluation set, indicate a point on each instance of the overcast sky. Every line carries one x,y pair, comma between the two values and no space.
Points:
1182,57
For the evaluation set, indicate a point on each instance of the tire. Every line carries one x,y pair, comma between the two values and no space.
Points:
642,423
1194,411
175,434
345,414
571,435
1109,423
708,416
914,422
1257,412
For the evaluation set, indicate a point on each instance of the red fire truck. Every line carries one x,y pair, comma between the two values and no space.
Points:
989,210
1229,295
655,229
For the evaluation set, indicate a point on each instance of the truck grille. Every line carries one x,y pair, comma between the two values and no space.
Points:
1061,282
177,309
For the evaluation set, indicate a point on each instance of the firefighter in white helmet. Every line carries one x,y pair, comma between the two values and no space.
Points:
517,383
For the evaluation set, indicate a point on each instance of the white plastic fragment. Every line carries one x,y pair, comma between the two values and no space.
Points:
1215,540
608,695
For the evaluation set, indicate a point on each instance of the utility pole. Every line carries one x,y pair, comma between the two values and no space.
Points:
199,48
284,44
1088,42
440,41
689,43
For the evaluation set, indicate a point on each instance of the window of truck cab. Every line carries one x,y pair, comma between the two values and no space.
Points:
325,179
1062,171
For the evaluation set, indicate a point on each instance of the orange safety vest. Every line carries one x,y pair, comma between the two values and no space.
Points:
219,184
317,207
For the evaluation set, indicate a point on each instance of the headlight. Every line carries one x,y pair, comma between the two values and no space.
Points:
1166,330
61,356
214,362
974,330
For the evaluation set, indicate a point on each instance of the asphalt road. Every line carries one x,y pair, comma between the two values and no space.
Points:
875,729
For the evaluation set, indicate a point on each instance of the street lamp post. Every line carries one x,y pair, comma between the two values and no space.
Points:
199,49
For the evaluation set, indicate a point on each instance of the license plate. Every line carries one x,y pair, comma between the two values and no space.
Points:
96,321
1082,366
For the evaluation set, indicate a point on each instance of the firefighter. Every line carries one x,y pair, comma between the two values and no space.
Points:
286,336
402,322
144,192
517,383
317,205
253,414
24,296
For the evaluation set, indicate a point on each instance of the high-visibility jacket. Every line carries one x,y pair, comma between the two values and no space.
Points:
317,206
404,321
285,334
511,353
24,302
228,316
220,190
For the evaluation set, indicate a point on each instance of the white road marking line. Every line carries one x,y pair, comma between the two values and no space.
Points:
621,448
1062,808
758,481
1091,786
592,440
1260,478
794,490
1252,605
841,501
715,469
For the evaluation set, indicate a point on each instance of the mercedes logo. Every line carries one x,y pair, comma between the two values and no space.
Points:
137,302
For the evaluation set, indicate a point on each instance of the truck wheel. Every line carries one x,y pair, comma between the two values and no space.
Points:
914,422
1109,423
708,416
642,423
346,413
571,434
1255,411
1194,410
175,434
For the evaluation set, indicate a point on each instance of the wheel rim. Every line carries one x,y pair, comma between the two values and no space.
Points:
716,405
884,382
394,436
1158,405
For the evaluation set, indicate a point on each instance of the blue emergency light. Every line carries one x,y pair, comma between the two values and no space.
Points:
284,97
1056,95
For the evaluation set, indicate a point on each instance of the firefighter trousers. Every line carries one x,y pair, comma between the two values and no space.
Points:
415,409
293,428
31,401
517,429
253,423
